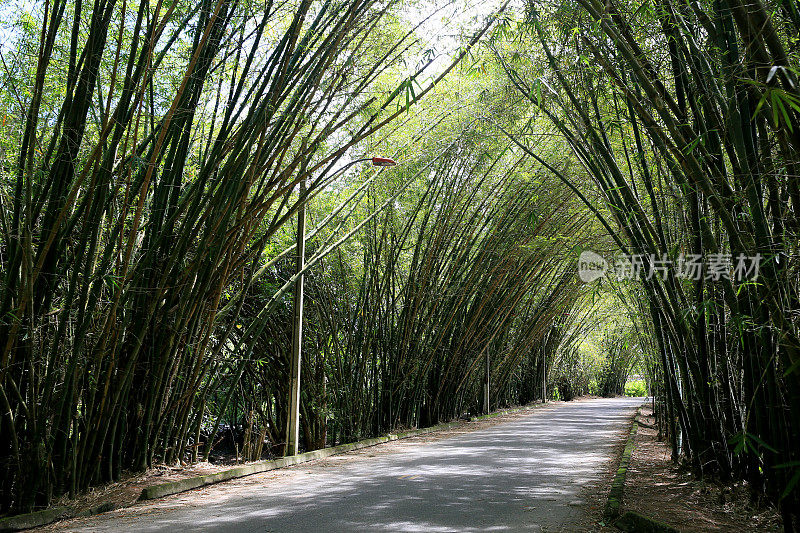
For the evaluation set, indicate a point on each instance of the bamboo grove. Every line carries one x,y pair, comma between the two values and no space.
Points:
391,346
157,146
152,156
684,117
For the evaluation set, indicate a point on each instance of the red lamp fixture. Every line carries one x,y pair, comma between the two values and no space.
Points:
383,162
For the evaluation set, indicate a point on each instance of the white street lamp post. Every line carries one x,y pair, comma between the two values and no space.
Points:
293,423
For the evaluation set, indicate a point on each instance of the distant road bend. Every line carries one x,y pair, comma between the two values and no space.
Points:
522,475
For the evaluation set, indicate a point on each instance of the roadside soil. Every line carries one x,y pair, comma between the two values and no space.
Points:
659,489
125,492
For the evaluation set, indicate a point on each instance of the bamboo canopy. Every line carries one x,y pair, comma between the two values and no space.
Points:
152,156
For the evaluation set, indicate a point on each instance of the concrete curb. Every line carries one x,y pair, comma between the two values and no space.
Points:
618,485
36,519
102,508
174,487
48,516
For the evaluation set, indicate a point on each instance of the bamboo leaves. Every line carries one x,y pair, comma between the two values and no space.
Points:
127,230
711,103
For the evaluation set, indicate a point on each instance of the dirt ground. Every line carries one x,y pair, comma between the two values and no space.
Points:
657,488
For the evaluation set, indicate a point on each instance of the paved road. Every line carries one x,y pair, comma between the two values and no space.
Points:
522,475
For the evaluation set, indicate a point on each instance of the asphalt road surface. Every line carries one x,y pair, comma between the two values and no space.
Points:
522,475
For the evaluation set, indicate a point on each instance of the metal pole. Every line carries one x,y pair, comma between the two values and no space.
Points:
544,379
293,425
486,390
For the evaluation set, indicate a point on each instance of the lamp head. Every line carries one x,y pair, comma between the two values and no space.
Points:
383,162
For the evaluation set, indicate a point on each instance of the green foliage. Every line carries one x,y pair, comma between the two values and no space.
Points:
147,188
149,191
636,388
690,148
